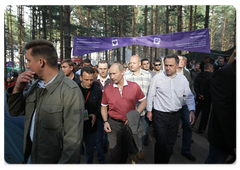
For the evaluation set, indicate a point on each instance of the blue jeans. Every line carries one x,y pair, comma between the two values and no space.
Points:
89,141
145,123
215,156
187,130
99,141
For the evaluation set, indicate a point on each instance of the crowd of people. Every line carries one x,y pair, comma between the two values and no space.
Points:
110,108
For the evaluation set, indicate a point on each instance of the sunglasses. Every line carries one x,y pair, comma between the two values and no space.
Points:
157,64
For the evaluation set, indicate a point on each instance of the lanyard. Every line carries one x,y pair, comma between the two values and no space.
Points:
87,97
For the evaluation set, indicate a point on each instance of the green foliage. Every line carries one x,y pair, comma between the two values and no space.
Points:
96,20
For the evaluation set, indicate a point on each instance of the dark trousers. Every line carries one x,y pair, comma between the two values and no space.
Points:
187,130
119,142
204,106
166,130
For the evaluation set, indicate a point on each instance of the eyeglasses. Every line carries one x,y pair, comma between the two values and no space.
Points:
157,64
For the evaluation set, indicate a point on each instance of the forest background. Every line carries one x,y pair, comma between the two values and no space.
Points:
59,24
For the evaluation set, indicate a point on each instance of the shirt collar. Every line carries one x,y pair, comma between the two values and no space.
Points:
42,85
141,72
99,78
125,84
169,76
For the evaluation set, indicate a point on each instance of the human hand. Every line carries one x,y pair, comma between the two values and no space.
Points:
93,118
192,117
149,115
107,127
22,80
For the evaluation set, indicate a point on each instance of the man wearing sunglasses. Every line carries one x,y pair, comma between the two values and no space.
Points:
157,66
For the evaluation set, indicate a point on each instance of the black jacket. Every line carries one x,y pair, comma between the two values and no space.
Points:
93,105
202,84
222,125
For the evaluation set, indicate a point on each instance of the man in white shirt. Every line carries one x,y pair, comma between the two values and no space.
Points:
167,90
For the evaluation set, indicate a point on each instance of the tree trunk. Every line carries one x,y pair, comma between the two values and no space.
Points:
134,29
235,29
11,33
44,22
50,23
8,32
115,30
223,32
195,18
190,20
66,29
105,26
124,31
33,22
145,30
156,31
19,34
4,43
39,22
179,23
212,30
119,33
87,26
151,48
206,17
167,25
61,33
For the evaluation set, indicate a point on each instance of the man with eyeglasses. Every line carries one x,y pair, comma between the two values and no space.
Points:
157,66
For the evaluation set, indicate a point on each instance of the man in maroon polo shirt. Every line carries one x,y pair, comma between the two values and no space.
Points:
121,96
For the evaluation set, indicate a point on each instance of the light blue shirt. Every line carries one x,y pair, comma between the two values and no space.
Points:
40,85
167,93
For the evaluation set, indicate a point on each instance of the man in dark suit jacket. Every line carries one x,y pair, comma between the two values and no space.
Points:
222,125
203,96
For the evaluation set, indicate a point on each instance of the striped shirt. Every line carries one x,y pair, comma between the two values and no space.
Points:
143,80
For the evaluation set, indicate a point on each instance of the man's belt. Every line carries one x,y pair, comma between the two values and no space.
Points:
118,120
169,113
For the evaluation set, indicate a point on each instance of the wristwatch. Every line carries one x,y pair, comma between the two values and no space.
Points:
105,122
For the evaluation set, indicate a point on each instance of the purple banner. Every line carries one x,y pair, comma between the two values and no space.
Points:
86,45
195,41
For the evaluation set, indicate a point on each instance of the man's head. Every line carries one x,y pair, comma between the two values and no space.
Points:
135,63
181,61
40,53
103,68
86,62
157,65
145,64
67,66
208,67
75,67
197,66
171,62
116,72
87,75
221,61
184,61
206,59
